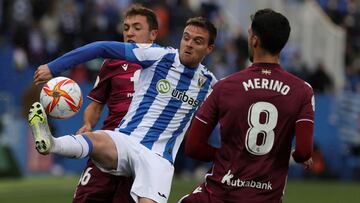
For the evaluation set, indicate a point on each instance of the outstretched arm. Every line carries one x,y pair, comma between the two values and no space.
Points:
101,49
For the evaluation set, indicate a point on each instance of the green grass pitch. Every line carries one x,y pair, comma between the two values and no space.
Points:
60,189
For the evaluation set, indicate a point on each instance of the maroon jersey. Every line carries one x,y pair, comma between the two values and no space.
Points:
257,109
115,86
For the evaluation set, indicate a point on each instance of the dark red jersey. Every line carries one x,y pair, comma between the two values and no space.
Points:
257,109
115,87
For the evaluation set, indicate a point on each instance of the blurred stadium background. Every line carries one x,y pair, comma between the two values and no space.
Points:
324,50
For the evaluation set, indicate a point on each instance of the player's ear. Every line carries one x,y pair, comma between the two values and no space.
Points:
255,40
153,34
210,48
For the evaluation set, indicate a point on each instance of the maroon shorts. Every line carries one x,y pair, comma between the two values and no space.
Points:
200,195
97,186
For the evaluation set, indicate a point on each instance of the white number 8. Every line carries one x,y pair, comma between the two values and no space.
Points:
265,129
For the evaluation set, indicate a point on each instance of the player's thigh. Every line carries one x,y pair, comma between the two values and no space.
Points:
104,149
153,175
123,147
146,200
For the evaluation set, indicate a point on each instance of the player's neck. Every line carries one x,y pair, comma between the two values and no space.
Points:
266,58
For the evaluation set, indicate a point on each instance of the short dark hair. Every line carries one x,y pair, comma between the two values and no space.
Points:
151,18
204,23
272,28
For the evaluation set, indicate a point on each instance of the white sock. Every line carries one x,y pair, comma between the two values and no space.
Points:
72,146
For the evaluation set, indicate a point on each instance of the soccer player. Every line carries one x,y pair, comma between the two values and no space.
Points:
114,86
259,110
173,85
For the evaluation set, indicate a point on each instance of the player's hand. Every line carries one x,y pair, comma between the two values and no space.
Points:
84,128
308,164
42,74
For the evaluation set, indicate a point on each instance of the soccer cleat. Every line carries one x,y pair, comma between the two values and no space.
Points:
39,126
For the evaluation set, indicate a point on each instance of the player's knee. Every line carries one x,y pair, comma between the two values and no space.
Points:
104,149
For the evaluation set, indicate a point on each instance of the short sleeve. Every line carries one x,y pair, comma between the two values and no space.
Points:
308,105
209,110
102,86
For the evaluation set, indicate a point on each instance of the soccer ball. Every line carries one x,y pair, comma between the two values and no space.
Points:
61,97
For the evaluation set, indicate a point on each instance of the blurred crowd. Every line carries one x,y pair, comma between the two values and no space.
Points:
346,13
41,30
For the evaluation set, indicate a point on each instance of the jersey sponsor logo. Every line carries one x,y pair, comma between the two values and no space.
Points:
229,180
267,84
182,96
163,86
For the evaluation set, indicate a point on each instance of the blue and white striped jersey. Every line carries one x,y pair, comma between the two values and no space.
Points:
165,99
